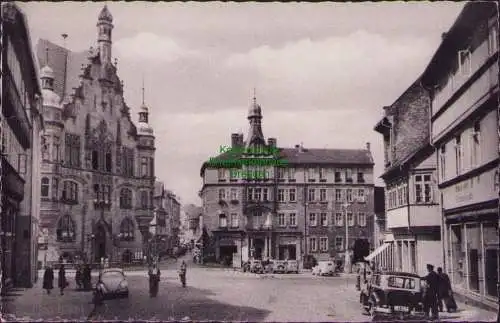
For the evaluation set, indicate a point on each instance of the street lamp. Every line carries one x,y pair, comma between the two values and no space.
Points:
152,241
346,255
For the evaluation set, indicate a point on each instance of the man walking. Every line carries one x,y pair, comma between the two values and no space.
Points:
445,292
62,282
182,273
431,294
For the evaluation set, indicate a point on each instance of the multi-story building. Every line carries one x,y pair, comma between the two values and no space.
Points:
262,201
20,132
167,208
98,167
192,225
412,202
462,78
379,228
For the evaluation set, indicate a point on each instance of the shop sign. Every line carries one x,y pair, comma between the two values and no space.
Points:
470,191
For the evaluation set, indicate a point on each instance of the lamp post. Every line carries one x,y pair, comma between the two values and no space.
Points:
346,256
152,229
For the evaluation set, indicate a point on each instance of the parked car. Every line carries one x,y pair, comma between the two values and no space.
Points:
255,266
112,283
279,266
324,268
392,293
292,266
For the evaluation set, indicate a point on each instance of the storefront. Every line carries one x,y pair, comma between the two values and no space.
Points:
472,243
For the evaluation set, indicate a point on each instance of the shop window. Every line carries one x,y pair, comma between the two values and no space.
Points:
474,255
456,255
491,257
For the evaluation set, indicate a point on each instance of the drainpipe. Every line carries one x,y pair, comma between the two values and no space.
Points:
305,218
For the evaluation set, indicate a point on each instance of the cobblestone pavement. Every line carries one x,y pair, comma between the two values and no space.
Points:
214,294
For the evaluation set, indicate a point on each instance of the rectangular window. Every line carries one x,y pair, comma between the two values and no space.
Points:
338,177
418,189
339,219
362,219
257,194
323,244
234,194
323,219
234,220
322,194
349,194
322,174
292,218
339,243
458,154
338,195
265,194
222,194
222,221
250,193
281,195
361,178
233,174
292,194
476,145
442,162
291,174
427,189
464,58
361,195
313,247
281,173
281,220
493,35
221,174
144,166
311,174
348,175
312,196
350,219
313,220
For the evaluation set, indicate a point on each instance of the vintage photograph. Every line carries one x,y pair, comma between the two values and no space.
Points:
250,161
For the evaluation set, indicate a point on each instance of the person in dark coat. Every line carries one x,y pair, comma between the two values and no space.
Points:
154,280
431,294
48,279
87,277
78,277
445,292
61,280
182,273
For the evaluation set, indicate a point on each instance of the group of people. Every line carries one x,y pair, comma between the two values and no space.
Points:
438,290
83,277
154,277
48,279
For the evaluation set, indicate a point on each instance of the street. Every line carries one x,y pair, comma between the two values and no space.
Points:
214,294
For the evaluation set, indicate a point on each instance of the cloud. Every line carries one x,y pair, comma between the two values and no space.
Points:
150,46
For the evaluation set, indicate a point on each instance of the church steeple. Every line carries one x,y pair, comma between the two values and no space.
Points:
255,135
144,128
104,29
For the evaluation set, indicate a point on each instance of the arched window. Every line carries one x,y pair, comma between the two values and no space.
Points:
45,187
66,229
127,229
126,198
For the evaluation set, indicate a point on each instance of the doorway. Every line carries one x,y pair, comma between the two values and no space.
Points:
100,243
287,252
258,245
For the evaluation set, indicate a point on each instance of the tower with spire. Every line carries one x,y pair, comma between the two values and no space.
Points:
146,138
255,139
104,31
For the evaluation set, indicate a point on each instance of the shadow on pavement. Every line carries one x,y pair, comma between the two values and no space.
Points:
176,303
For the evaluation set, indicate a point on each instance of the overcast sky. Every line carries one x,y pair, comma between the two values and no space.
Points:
322,71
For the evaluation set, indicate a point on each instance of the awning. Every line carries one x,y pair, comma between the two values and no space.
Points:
377,251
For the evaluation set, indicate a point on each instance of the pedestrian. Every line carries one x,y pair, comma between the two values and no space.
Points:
48,279
431,293
154,279
182,273
445,292
78,277
61,280
87,277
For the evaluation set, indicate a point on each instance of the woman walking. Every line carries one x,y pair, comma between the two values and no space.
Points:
154,279
182,273
62,282
48,279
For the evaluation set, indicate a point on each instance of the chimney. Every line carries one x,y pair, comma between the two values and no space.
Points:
368,146
271,142
235,140
300,148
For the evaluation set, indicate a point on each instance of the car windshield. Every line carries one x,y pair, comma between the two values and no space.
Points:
401,282
112,275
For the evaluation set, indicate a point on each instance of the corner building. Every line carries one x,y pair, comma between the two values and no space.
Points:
299,210
98,167
462,78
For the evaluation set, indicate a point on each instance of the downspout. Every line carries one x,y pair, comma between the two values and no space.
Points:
305,217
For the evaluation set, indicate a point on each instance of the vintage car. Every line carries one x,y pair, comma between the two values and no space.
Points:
279,266
255,266
111,283
324,268
392,292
